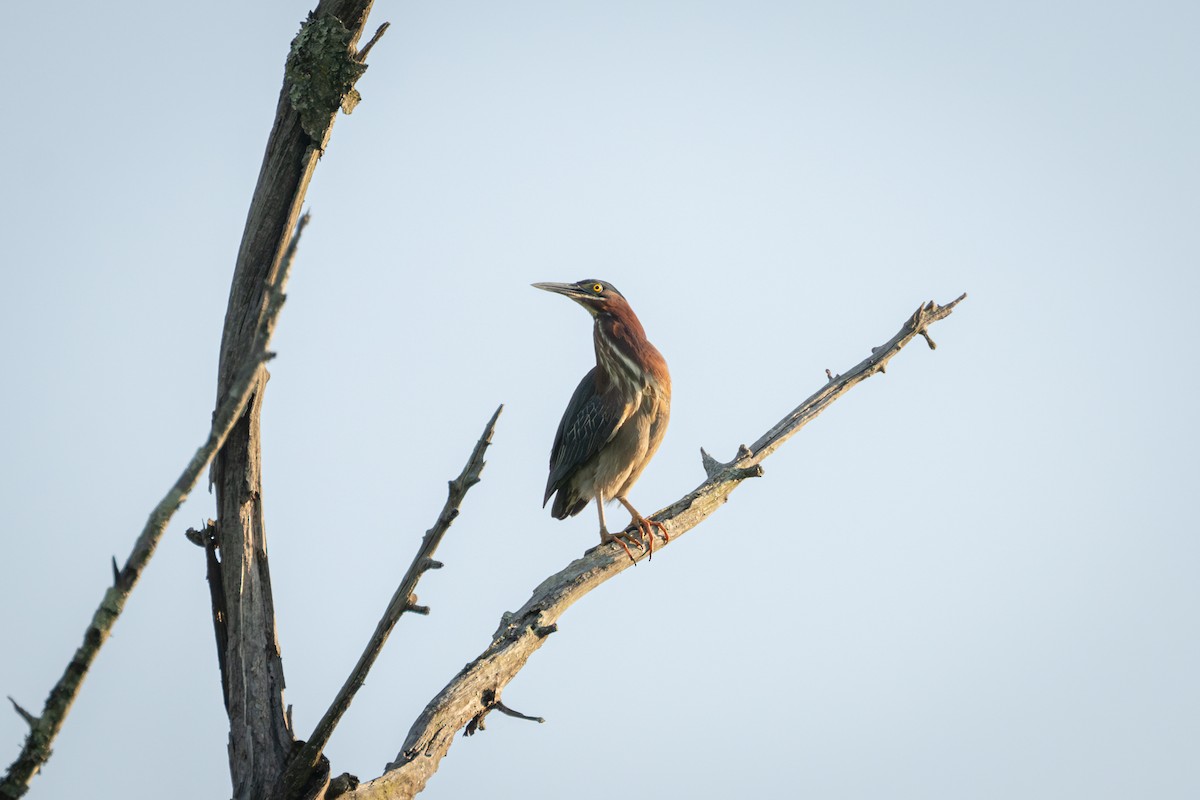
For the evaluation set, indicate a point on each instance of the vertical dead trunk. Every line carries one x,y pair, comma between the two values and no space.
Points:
260,738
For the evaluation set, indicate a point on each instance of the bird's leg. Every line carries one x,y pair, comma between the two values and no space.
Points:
606,537
645,525
604,534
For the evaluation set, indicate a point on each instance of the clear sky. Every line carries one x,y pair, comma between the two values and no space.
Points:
974,577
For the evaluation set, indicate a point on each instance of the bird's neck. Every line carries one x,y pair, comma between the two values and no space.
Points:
621,350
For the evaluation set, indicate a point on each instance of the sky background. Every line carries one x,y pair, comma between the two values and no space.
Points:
973,577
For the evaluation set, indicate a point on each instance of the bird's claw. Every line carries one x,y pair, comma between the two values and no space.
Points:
645,530
624,539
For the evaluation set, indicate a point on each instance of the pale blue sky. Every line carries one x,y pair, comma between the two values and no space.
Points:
975,577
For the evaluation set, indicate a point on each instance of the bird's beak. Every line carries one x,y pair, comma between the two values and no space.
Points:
570,290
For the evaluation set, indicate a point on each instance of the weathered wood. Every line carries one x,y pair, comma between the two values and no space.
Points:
309,756
478,686
321,68
44,729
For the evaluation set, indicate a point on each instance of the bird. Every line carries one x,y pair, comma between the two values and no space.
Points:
616,418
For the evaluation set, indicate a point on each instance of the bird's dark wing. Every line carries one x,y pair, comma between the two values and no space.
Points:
589,422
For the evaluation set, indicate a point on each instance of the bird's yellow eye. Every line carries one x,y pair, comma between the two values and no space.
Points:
597,288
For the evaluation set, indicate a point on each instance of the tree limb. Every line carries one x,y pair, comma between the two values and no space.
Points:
45,728
309,756
478,686
321,69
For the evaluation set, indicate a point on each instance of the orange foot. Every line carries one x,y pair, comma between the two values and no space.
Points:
624,539
645,527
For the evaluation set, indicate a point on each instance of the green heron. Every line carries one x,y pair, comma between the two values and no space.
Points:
616,418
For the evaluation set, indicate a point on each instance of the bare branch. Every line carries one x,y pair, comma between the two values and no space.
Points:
503,709
30,719
915,325
493,704
403,600
319,80
476,689
365,51
255,298
206,537
45,728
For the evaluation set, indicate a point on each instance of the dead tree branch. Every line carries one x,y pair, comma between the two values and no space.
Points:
44,728
477,688
322,68
309,756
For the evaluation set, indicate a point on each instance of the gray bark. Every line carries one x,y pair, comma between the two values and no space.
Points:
321,69
477,689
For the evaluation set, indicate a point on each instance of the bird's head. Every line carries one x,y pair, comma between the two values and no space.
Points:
594,295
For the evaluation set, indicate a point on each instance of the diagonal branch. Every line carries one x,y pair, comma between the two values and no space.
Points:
44,729
916,325
309,756
478,686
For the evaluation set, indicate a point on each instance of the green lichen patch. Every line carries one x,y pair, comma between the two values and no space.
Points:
321,74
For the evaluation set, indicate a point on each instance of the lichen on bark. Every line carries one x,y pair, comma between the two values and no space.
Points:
321,73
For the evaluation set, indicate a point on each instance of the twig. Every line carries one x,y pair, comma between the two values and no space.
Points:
382,29
206,537
44,730
30,719
492,703
475,688
403,600
276,294
503,709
